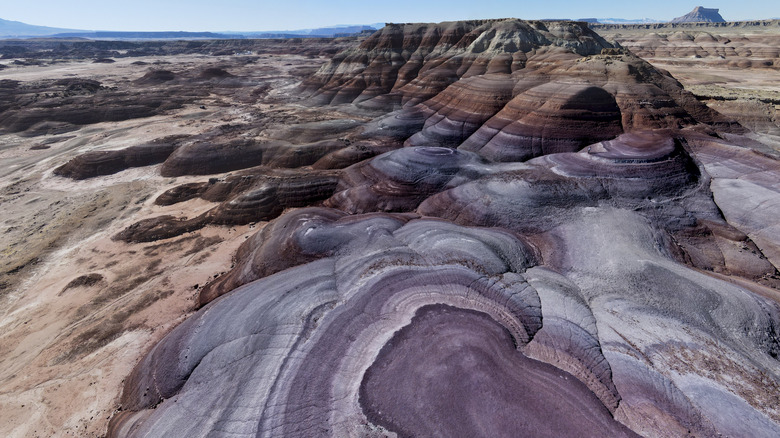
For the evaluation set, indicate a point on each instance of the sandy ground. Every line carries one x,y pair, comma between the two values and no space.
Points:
110,74
78,310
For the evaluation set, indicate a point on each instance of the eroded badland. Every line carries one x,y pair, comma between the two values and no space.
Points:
460,228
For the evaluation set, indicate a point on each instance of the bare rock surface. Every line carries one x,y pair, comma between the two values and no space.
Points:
388,297
468,350
707,308
586,311
400,180
745,187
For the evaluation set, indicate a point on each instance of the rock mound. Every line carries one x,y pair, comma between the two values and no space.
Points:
96,163
253,195
156,76
36,107
400,180
214,72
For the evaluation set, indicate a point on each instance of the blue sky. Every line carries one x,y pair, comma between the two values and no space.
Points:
248,15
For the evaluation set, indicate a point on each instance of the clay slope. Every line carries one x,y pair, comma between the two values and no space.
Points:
412,62
509,90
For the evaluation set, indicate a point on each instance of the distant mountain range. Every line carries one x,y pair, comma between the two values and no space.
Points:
620,20
323,32
17,29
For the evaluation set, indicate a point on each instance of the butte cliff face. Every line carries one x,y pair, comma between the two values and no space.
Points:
533,222
700,14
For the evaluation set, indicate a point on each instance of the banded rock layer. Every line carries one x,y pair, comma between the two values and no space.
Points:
254,195
418,265
92,164
413,62
506,89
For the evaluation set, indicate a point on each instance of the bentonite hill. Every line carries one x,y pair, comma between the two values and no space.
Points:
477,228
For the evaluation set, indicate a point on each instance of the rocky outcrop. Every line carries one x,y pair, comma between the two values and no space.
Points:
399,181
207,157
634,171
92,164
296,238
258,194
156,77
219,155
700,15
102,108
746,191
